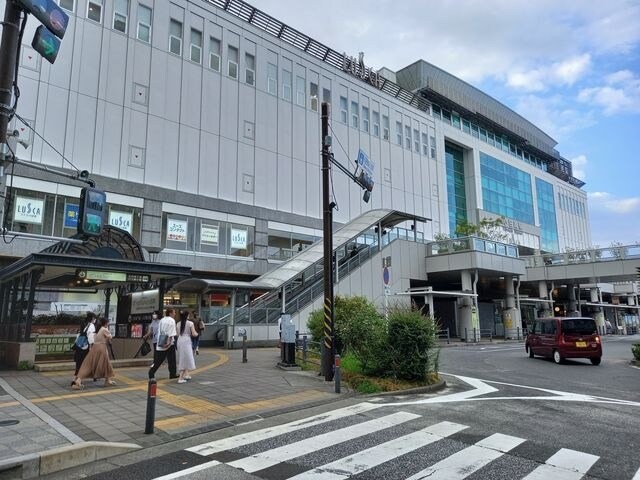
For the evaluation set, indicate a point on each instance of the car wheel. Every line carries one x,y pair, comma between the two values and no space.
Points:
529,351
596,361
557,357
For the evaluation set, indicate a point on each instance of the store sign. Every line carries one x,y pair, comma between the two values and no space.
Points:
359,70
138,278
238,239
209,234
176,230
144,302
71,215
122,220
28,210
103,275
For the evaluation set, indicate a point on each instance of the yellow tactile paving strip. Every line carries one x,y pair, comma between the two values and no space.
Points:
198,410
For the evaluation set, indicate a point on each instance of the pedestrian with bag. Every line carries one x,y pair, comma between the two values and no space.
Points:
199,326
86,337
186,361
165,345
97,364
152,332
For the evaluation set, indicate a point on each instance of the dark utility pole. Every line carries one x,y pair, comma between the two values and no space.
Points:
327,236
8,52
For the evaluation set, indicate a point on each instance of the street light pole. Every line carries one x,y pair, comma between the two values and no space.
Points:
8,53
327,235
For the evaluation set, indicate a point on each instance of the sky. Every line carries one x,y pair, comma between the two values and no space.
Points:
572,68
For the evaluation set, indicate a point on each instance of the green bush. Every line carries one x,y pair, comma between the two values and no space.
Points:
25,365
635,349
412,345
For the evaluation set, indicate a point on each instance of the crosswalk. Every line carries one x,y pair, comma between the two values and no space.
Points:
365,441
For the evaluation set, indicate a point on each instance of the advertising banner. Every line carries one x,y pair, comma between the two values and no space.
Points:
28,210
123,220
176,230
71,215
238,238
209,234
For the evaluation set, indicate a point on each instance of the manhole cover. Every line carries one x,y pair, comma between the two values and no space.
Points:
6,423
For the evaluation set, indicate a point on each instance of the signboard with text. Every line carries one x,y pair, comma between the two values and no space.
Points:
176,230
28,210
238,238
209,234
71,212
123,220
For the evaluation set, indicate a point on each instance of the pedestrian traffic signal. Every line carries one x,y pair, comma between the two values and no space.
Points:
46,44
93,206
49,14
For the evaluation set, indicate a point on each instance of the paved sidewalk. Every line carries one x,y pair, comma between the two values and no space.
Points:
223,390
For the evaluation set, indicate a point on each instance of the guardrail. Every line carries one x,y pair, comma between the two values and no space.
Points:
444,333
621,252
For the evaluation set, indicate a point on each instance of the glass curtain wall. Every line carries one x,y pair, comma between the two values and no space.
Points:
456,193
547,216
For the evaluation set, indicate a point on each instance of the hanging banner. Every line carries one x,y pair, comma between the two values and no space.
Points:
176,230
28,210
123,220
238,238
71,215
209,234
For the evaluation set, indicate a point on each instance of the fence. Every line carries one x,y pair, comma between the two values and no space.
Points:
444,333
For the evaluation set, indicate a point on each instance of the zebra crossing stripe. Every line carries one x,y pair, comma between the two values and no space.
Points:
271,432
382,453
465,462
188,471
637,475
565,464
309,445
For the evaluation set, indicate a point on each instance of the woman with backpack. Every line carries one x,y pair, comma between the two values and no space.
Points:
86,337
97,364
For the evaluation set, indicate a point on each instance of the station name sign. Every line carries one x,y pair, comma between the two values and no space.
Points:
357,68
108,276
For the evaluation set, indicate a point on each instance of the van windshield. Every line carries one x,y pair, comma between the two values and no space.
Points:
579,326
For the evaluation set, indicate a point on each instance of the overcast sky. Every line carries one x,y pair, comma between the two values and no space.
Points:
571,67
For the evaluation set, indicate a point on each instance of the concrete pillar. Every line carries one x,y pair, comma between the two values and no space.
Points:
598,314
544,309
428,300
465,304
510,315
572,310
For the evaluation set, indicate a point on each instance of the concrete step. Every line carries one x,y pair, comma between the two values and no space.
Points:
70,366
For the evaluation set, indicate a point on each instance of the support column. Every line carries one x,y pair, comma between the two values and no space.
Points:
231,328
572,310
428,299
510,314
544,309
598,314
465,304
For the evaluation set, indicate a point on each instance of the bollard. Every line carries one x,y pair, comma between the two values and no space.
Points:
244,347
336,373
151,405
304,348
322,347
475,338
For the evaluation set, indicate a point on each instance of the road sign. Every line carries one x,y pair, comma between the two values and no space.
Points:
387,290
367,165
386,275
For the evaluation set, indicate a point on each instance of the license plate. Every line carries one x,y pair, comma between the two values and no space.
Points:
581,344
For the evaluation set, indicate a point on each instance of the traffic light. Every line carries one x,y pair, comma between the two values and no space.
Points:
366,182
46,44
93,206
54,24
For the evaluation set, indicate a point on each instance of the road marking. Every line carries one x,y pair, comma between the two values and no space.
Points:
303,447
565,464
270,432
637,475
188,471
465,462
374,456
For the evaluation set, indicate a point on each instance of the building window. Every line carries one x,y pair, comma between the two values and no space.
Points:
144,23
232,68
432,141
416,140
407,137
313,96
399,133
343,110
94,10
121,15
376,123
425,145
354,114
385,127
68,5
287,79
365,119
272,79
249,69
301,95
214,54
326,95
175,37
196,46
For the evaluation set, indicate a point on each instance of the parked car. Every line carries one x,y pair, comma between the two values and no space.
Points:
564,337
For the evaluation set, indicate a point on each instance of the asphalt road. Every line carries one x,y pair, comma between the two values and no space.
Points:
502,416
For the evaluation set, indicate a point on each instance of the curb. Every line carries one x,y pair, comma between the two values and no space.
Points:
62,458
436,387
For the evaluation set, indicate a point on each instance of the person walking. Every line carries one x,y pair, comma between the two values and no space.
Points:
186,361
97,363
88,329
198,323
152,333
165,346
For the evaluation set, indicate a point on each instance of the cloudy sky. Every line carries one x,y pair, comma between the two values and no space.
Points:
570,67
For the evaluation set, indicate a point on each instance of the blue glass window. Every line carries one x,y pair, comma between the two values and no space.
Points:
547,216
456,194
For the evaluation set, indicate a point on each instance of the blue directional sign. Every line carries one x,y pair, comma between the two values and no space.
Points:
364,163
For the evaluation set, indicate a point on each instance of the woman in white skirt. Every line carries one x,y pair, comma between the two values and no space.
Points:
186,362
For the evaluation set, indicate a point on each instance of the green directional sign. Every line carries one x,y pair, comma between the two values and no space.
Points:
46,44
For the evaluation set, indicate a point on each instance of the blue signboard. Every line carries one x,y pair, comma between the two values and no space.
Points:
366,164
71,215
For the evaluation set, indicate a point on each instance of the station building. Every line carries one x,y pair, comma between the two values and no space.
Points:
201,122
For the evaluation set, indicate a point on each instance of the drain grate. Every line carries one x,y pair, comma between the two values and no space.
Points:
7,423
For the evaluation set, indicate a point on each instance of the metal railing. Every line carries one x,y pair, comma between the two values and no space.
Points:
468,244
444,333
622,252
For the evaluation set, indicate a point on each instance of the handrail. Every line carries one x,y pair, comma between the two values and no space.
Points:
591,255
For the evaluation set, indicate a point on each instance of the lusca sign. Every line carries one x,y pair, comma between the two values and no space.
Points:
358,69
